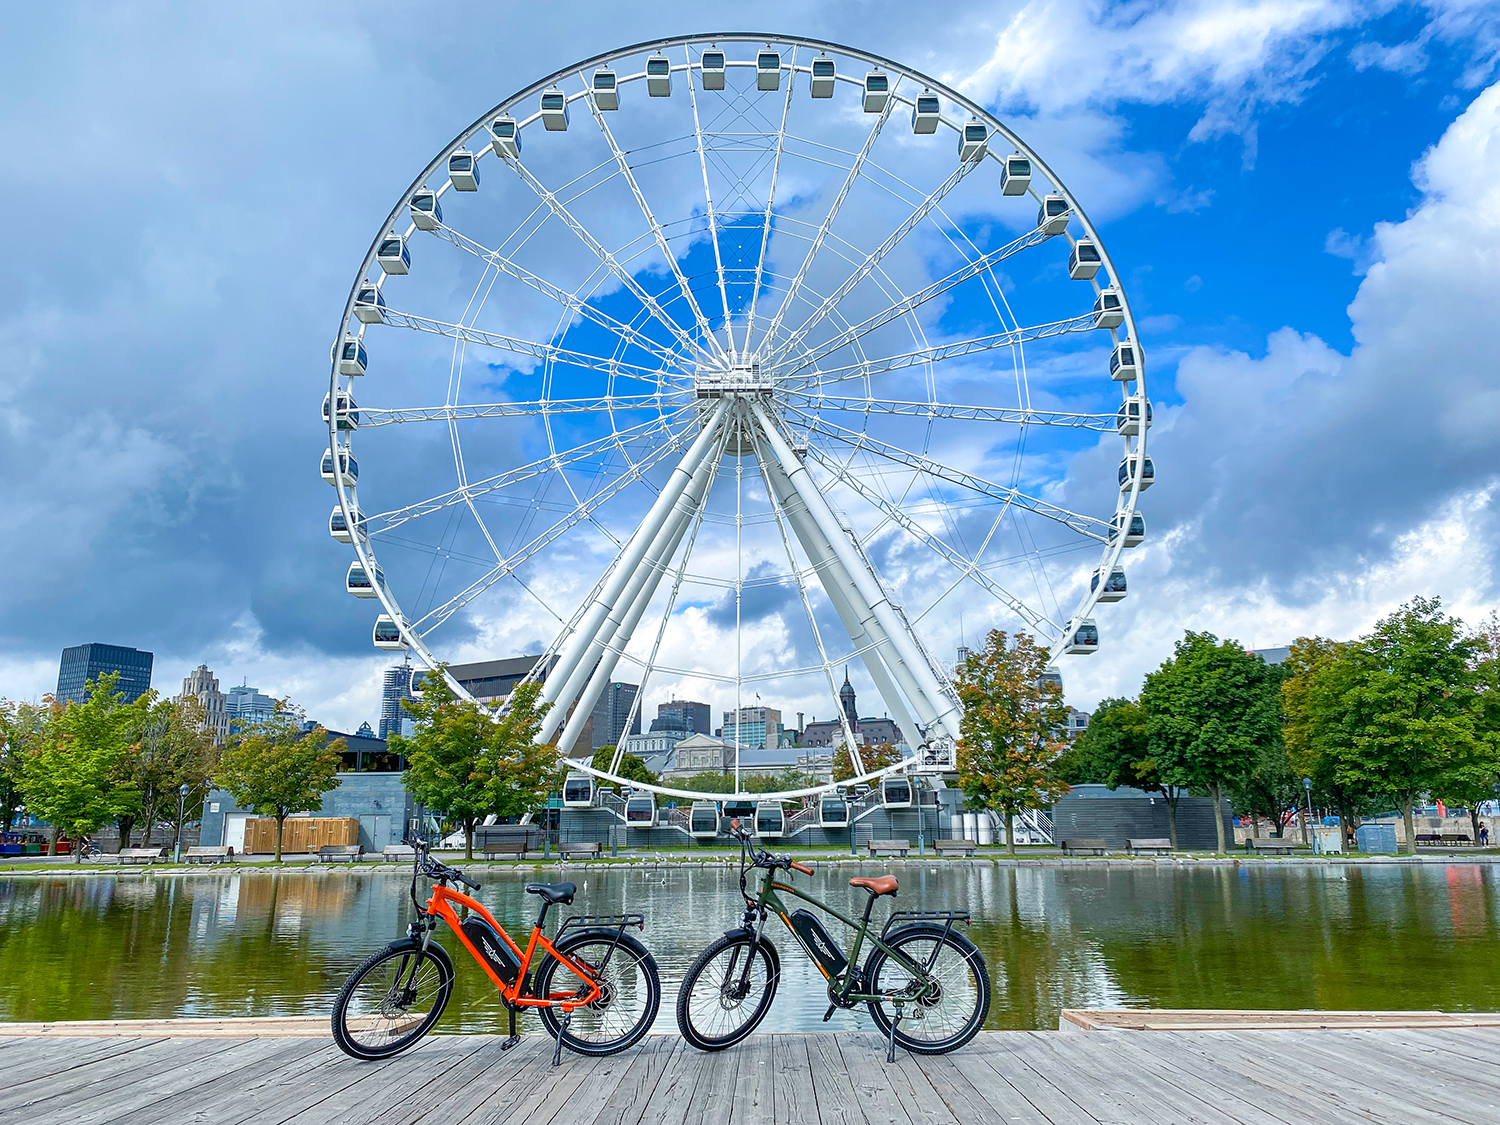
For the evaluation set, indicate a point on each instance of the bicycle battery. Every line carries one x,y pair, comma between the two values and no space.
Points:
818,942
492,948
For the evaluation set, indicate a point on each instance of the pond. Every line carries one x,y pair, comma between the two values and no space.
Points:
260,944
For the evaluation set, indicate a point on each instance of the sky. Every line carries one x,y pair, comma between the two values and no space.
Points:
1301,198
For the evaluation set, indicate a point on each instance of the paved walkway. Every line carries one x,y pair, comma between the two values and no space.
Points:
1386,1077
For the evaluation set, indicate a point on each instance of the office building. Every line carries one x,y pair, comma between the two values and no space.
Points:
84,664
202,685
615,706
246,706
490,681
756,727
396,685
697,717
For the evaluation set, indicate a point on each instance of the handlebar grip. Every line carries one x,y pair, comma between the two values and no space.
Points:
802,867
466,881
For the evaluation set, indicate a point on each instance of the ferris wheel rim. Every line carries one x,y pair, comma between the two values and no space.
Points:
1128,499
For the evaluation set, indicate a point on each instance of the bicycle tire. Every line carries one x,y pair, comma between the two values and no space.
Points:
439,987
646,977
969,960
745,945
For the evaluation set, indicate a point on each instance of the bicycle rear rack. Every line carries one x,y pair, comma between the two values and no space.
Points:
901,918
602,922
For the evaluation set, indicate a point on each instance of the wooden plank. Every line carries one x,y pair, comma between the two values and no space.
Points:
713,1100
679,1083
864,1063
966,1103
537,1104
116,1070
188,1105
238,1027
627,1102
1106,1101
999,1055
1456,1048
283,1094
795,1101
915,1096
837,1102
389,1083
753,1100
489,1074
1215,1019
605,1078
27,1059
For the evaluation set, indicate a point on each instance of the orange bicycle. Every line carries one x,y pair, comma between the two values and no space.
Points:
595,986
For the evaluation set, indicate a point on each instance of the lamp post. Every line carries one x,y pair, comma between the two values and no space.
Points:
182,792
1307,785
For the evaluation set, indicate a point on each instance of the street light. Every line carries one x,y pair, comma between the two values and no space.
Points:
1307,785
182,792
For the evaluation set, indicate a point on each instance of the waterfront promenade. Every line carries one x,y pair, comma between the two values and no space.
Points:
1256,1077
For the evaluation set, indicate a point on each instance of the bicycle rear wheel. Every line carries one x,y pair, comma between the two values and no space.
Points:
631,988
719,1003
944,1019
392,1000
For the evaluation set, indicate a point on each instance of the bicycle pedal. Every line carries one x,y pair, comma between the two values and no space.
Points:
509,1043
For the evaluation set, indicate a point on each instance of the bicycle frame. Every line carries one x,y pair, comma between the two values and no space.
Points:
440,905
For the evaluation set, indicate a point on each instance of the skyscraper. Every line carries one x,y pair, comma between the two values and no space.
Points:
246,706
202,686
697,717
615,703
396,686
83,663
756,727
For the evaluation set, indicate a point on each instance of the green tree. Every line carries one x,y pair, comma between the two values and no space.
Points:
176,748
875,758
1115,750
1210,709
1317,728
276,768
709,781
1272,788
1012,731
23,726
72,779
632,767
522,771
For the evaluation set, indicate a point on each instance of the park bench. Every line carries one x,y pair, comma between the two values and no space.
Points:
1093,845
503,845
1458,840
398,852
142,855
1429,840
888,847
1156,846
579,851
340,853
1278,844
209,855
960,847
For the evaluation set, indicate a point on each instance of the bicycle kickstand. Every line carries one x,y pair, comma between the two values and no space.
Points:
557,1052
890,1055
514,1037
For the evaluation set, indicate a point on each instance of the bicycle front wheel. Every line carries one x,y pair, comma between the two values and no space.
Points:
392,1000
629,983
727,992
946,1016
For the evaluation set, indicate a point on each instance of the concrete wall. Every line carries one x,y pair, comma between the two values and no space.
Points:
379,800
1094,811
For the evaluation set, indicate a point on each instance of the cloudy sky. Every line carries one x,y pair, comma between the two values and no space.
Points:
1300,195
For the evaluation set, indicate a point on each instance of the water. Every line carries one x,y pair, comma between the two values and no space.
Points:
262,944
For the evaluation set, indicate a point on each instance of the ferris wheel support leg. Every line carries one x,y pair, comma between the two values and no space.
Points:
840,592
620,625
573,663
909,666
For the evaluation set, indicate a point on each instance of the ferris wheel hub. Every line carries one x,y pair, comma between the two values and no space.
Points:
741,379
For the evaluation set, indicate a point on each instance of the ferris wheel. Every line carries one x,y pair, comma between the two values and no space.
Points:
717,364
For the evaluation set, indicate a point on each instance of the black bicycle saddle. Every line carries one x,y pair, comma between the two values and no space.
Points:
553,892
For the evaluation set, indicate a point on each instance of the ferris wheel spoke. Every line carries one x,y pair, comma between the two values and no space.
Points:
713,221
520,347
1017,415
388,521
581,511
572,302
827,224
917,299
898,515
387,416
1090,526
609,260
656,228
765,235
941,352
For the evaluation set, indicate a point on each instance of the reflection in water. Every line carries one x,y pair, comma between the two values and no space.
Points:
231,944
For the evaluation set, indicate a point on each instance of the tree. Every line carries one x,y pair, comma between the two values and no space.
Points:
22,728
1272,788
1210,709
71,780
632,767
276,768
1318,675
1412,708
176,749
1012,730
1114,750
522,771
874,758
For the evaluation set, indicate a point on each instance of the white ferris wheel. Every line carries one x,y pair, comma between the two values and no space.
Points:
718,363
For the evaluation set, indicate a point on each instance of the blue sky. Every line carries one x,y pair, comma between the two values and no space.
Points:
1300,197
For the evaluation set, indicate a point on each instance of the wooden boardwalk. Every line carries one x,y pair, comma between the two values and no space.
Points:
1382,1076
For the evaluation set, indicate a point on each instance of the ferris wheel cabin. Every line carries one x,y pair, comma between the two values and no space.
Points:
640,810
1137,533
1108,311
1053,215
387,634
768,72
659,76
974,142
359,583
425,210
1083,261
1113,589
505,138
770,820
1128,417
1015,176
895,792
346,413
352,357
822,77
578,791
703,820
392,255
348,474
925,114
338,526
1083,638
1128,473
463,170
1051,676
1125,362
606,89
369,305
555,110
877,91
711,66
833,811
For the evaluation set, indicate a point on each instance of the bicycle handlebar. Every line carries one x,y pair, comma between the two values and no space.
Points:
762,857
433,869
